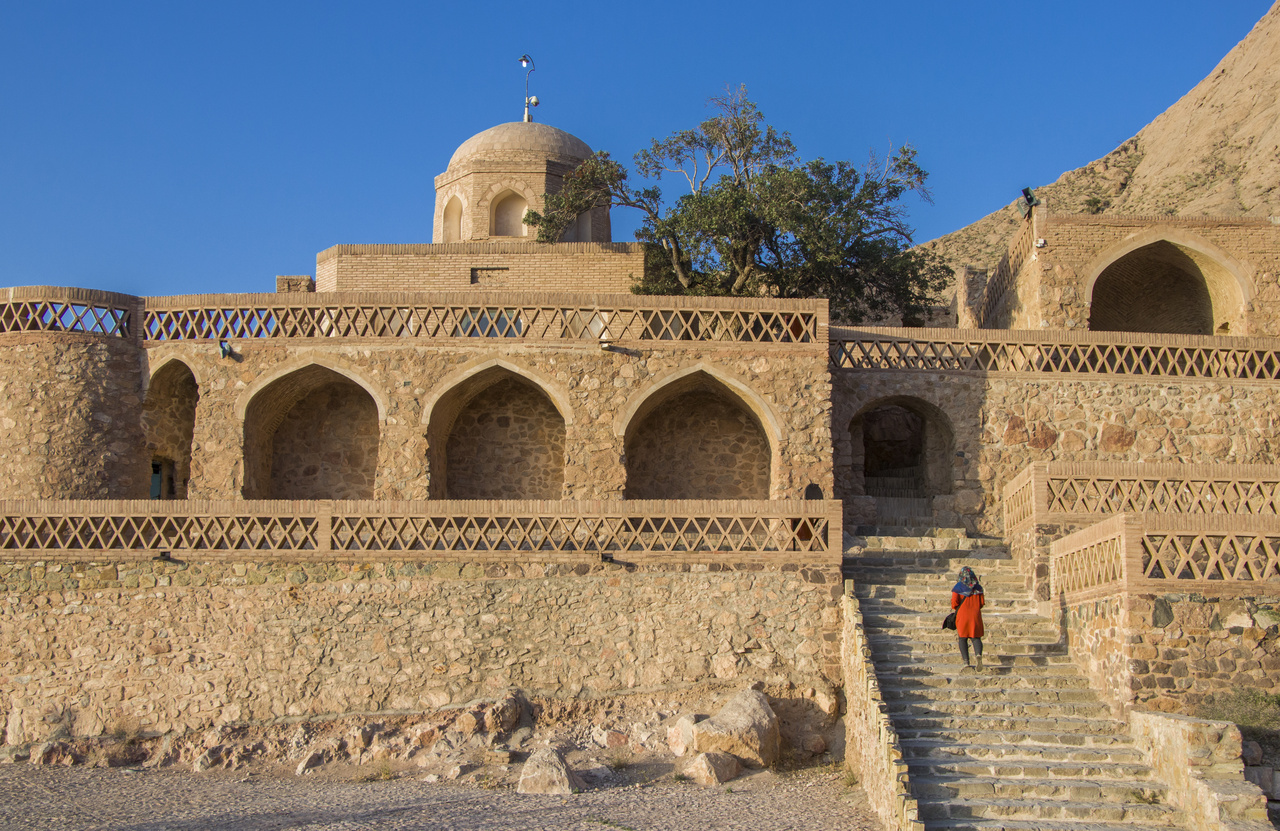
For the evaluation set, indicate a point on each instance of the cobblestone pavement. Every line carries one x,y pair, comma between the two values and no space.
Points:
118,799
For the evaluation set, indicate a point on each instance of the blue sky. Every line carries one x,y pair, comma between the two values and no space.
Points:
179,148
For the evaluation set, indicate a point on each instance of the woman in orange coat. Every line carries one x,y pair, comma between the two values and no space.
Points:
967,599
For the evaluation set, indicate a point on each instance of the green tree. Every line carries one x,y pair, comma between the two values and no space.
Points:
756,220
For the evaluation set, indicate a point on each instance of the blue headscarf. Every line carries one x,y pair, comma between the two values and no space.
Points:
968,584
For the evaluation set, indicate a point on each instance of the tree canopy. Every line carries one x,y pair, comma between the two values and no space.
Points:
756,220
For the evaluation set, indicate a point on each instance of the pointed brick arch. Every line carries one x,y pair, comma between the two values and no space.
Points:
1168,281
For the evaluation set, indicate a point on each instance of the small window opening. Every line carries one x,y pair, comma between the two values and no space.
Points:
163,478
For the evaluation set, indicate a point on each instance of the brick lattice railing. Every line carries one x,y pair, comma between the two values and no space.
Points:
509,315
66,310
1157,554
771,533
1091,353
1080,492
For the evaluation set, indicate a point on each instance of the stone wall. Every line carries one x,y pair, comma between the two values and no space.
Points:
1168,652
1200,762
1002,422
326,447
872,749
184,645
699,445
786,387
594,268
70,417
507,443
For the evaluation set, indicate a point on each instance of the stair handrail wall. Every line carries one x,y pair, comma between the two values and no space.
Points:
873,750
1219,556
1048,500
1200,762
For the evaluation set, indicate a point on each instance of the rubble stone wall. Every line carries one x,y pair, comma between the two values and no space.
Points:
1002,422
327,446
790,385
1168,652
185,645
507,443
70,417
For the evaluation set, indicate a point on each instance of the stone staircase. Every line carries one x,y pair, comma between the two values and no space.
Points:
1023,744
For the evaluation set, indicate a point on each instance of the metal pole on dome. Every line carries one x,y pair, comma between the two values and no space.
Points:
529,101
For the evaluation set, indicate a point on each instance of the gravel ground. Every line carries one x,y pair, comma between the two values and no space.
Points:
116,798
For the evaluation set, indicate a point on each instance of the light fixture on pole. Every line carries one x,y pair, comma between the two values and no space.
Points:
529,101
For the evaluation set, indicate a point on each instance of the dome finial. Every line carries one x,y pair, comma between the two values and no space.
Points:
529,101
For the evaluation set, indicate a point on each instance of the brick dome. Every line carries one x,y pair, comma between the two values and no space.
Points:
542,140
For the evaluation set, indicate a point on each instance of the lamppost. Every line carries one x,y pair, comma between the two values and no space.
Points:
529,101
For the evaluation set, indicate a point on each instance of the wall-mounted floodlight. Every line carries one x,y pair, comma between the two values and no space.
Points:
225,348
1027,202
527,61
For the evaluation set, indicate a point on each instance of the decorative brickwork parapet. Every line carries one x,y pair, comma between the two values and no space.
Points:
1058,352
606,319
770,535
1065,493
68,310
1219,556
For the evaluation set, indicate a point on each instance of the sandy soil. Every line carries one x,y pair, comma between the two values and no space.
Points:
643,797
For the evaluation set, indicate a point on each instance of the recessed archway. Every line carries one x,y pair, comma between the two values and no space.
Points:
168,421
496,434
311,434
1163,287
452,220
903,450
695,438
508,215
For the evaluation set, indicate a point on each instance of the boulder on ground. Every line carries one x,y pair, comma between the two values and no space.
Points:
713,768
746,728
311,760
502,716
546,772
53,753
680,734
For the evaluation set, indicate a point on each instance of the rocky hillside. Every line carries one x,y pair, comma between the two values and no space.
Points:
1216,151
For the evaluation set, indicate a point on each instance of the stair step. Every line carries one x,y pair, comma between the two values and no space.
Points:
942,723
984,683
1034,809
1044,825
986,787
1012,738
1032,769
937,750
1025,695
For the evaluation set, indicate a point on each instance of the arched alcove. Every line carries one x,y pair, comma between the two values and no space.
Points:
1166,288
453,220
508,215
696,439
311,434
168,422
903,450
496,435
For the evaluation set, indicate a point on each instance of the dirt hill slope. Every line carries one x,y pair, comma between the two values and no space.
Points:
1216,151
